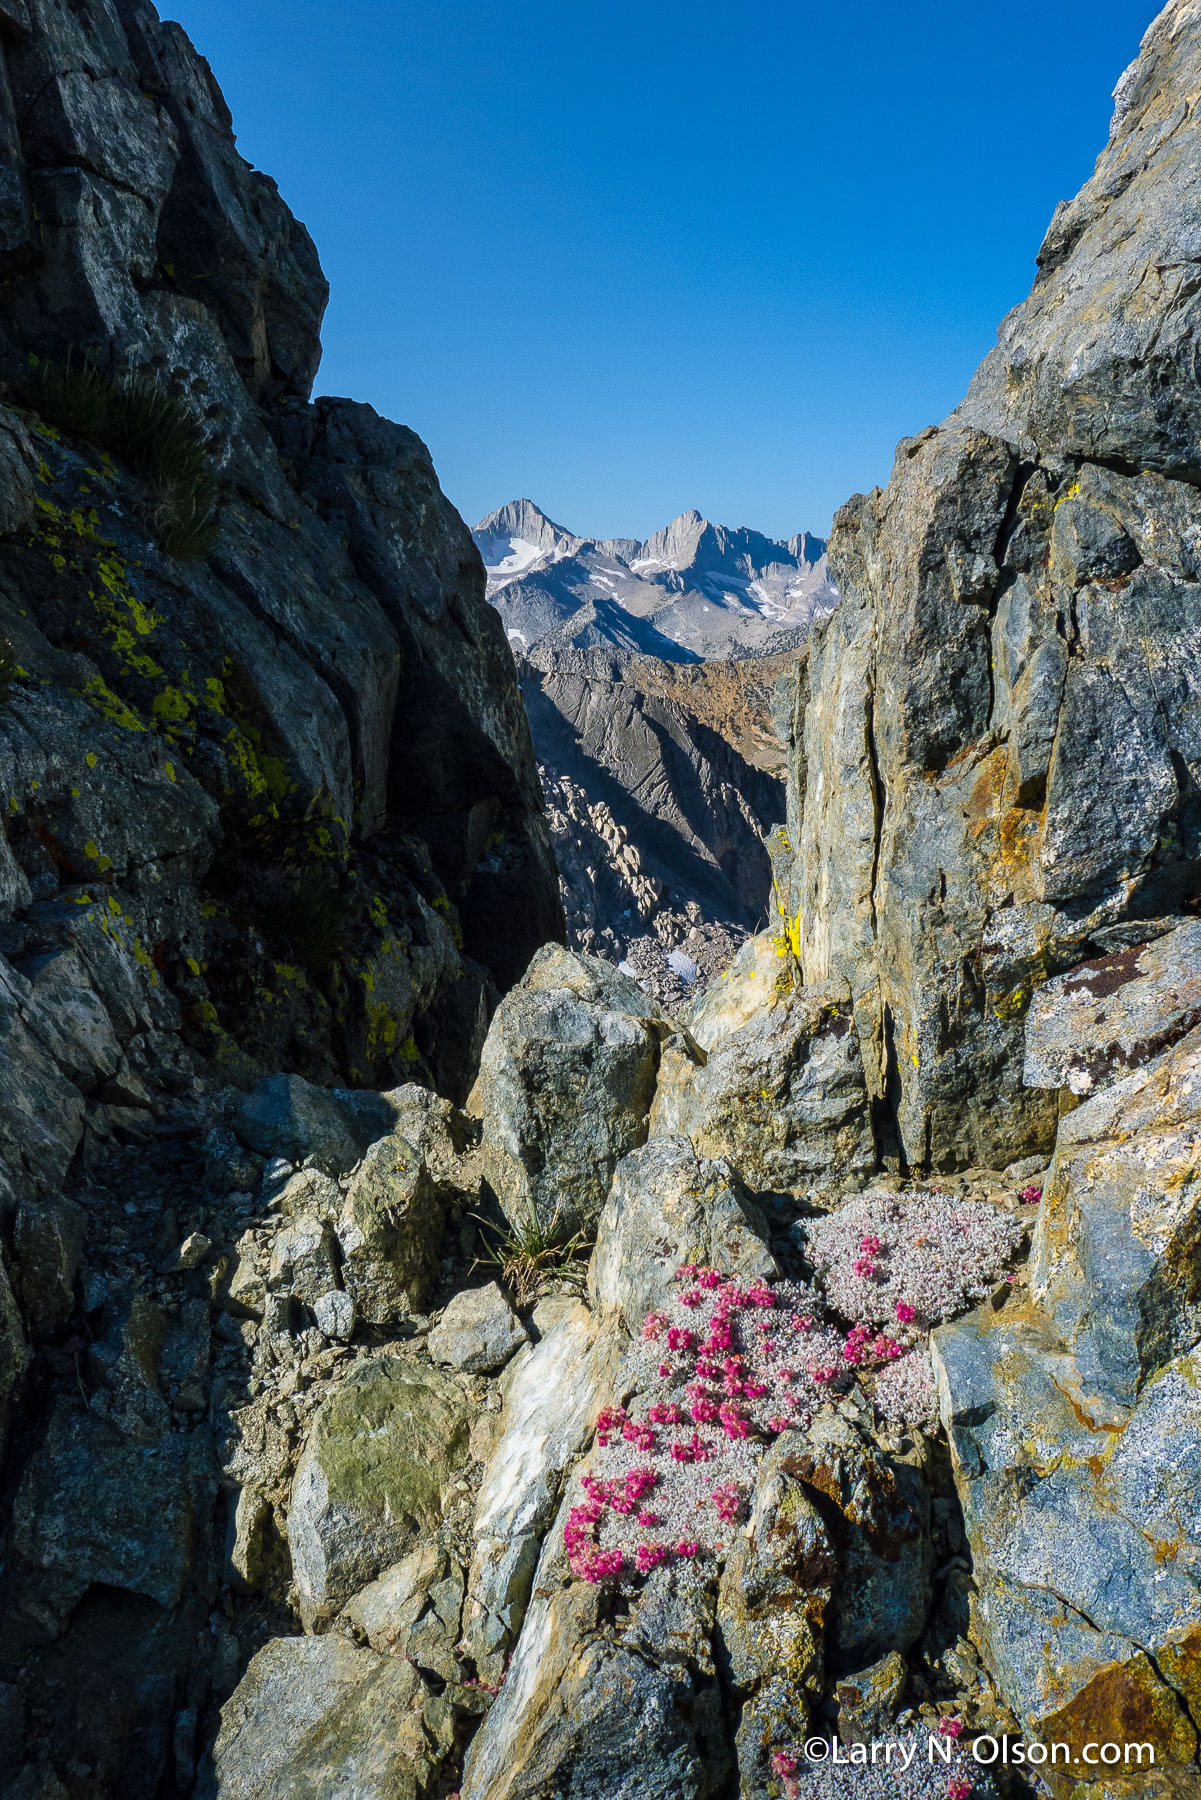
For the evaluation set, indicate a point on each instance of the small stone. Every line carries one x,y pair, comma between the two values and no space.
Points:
868,1701
334,1314
193,1251
478,1332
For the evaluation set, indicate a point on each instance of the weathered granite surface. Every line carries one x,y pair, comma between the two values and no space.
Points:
1000,748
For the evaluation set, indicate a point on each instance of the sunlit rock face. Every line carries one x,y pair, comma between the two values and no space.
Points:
1001,745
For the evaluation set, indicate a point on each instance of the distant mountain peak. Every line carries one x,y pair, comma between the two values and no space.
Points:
707,589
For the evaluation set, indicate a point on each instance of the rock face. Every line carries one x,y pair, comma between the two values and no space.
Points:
320,1717
554,1396
1073,1417
275,800
1000,758
1115,1012
770,1077
693,809
565,1086
669,1206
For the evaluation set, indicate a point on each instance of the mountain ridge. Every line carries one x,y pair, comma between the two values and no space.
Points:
707,589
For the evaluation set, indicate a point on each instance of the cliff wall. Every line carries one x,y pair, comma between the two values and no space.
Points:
1000,753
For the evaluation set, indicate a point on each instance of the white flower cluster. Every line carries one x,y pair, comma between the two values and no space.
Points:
909,1259
904,1392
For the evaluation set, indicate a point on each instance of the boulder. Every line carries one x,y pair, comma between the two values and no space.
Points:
300,1192
478,1332
565,1087
441,1134
770,1078
304,1260
1110,1014
869,1699
289,1117
668,1206
1083,1517
390,1232
553,1395
334,1315
379,1464
414,1610
320,1717
1116,1258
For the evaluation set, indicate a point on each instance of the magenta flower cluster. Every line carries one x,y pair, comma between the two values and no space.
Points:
728,1366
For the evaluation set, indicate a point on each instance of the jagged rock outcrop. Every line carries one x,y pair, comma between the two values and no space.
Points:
270,809
1001,760
770,1076
277,797
565,1087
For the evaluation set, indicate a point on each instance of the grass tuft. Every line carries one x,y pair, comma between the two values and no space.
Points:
528,1253
151,429
313,914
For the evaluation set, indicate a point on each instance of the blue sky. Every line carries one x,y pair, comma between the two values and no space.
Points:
633,257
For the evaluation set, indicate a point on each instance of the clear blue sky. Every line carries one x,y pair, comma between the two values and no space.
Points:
641,255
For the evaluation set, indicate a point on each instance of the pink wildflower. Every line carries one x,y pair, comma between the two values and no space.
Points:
726,1500
949,1728
782,1763
733,1423
647,1556
958,1788
1030,1195
687,1547
905,1313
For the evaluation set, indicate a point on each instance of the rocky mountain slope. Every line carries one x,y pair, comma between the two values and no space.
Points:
863,1402
657,820
691,590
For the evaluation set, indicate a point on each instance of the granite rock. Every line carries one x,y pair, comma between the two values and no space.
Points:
379,1464
478,1332
668,1206
565,1087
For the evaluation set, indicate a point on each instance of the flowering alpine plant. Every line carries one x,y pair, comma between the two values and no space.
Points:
905,1393
672,1473
1030,1196
910,1772
910,1259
